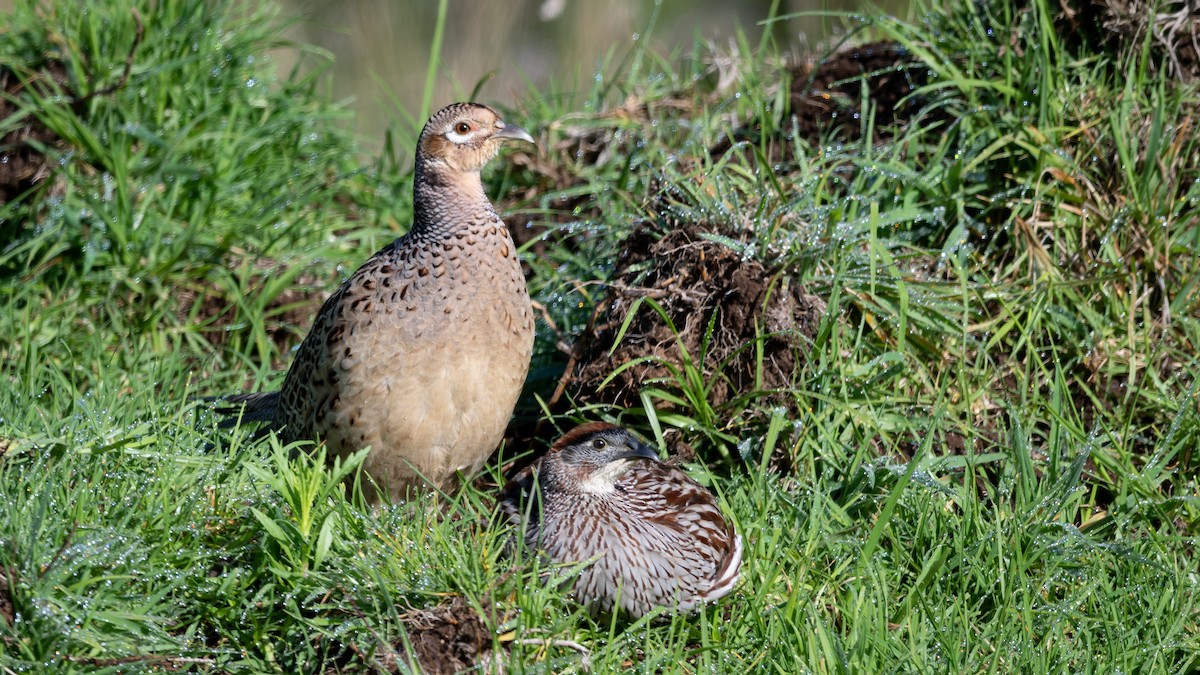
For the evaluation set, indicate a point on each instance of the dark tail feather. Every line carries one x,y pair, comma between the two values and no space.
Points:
258,408
252,409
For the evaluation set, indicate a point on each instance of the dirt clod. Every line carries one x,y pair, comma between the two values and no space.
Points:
828,93
825,100
7,610
1170,30
696,281
23,162
449,638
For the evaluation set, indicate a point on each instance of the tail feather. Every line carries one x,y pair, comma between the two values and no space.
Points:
728,571
256,408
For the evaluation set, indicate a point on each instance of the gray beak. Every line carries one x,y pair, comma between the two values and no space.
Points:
513,132
638,451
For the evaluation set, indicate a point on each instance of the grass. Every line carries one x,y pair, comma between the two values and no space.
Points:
984,459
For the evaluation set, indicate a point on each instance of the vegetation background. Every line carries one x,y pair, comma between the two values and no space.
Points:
920,304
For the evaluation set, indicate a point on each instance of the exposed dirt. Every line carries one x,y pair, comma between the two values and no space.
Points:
694,280
826,97
448,638
829,93
23,162
7,610
1122,27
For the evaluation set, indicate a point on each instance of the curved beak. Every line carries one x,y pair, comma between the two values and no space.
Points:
638,451
513,132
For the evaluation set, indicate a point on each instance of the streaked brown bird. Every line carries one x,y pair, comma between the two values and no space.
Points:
657,537
421,354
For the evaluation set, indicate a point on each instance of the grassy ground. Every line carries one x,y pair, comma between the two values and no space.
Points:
978,452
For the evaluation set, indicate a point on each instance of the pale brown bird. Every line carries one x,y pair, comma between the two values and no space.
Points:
421,354
656,538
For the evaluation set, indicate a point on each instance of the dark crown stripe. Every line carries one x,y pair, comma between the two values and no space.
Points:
439,118
579,433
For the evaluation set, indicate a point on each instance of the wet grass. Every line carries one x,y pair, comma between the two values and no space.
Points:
984,461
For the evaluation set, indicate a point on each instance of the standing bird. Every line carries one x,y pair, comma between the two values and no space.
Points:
657,537
422,352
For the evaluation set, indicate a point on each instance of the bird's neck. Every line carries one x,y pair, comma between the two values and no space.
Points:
445,199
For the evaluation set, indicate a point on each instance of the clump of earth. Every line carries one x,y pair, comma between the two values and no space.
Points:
741,323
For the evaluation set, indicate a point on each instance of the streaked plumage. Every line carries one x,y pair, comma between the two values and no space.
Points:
657,536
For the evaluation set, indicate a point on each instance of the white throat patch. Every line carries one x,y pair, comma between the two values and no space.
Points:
601,482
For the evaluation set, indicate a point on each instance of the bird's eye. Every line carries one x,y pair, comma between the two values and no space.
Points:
599,443
462,127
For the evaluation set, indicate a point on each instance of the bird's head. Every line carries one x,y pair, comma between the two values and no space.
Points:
466,136
591,458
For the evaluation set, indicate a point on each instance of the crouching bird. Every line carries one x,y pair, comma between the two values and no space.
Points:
656,538
421,354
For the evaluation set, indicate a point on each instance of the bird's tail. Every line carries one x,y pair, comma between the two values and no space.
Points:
246,408
729,569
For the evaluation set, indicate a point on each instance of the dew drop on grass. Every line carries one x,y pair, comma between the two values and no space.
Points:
745,448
